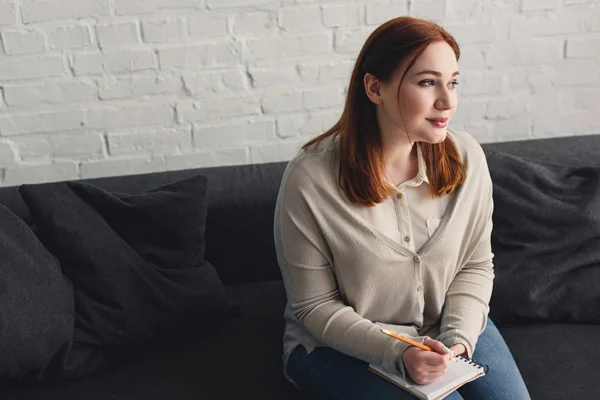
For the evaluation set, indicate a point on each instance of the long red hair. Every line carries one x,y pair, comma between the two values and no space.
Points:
361,164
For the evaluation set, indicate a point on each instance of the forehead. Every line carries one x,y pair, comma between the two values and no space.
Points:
438,56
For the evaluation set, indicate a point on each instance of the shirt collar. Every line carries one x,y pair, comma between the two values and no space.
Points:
421,176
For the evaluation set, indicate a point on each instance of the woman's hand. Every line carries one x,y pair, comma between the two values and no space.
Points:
423,366
459,350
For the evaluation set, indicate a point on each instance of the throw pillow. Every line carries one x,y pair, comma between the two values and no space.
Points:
36,308
546,240
136,260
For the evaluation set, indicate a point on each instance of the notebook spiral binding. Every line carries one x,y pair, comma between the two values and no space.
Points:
474,362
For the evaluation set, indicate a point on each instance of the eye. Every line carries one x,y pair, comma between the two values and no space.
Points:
454,83
427,82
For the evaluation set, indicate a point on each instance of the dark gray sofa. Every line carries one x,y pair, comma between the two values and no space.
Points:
242,358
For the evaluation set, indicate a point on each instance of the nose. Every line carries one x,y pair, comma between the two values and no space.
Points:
446,99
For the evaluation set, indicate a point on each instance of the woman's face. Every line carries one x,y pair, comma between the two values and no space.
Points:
427,98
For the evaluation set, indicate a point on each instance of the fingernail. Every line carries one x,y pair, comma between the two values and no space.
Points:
446,350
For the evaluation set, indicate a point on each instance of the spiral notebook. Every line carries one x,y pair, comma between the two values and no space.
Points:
460,371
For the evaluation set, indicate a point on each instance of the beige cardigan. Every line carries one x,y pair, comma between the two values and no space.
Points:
345,279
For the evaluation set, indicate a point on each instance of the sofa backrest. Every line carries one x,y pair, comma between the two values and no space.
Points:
241,202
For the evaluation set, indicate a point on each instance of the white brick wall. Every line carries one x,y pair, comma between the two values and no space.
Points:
94,88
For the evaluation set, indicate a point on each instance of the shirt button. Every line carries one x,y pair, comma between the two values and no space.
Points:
399,196
416,259
420,289
407,239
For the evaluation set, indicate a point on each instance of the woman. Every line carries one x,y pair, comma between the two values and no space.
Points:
384,221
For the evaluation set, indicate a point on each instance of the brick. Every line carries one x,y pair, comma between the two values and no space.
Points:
254,23
327,97
512,128
346,15
47,121
33,147
163,30
79,147
235,134
132,86
471,57
430,9
567,123
208,83
350,40
538,5
217,108
287,47
206,26
576,72
7,155
276,103
212,158
473,33
522,54
272,74
378,13
53,172
545,26
116,61
327,71
49,10
23,41
531,78
583,48
50,91
69,37
220,4
149,140
477,83
300,20
8,14
306,124
283,150
118,34
194,57
578,99
123,166
469,109
130,115
501,108
130,7
32,67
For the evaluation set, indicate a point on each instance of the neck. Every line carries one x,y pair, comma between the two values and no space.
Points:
399,155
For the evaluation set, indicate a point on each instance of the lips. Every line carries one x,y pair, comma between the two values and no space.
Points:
438,122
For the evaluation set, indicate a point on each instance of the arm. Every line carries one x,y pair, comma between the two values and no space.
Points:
465,311
313,294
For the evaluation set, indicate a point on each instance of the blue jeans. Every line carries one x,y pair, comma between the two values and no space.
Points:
328,374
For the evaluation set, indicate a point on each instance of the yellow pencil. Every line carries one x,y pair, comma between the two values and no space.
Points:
412,342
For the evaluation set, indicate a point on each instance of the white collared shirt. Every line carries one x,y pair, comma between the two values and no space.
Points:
418,213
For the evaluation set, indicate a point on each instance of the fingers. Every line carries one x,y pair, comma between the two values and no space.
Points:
436,346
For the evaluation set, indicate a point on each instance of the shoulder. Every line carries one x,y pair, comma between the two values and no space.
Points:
312,167
469,148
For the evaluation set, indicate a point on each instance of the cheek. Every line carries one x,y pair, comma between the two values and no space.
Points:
415,103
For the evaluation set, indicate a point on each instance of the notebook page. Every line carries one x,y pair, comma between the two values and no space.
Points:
459,371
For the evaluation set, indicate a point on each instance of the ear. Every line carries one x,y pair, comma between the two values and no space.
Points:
372,88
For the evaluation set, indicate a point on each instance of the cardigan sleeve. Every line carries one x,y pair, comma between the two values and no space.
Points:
310,280
465,311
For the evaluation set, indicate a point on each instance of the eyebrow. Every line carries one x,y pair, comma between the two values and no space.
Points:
436,73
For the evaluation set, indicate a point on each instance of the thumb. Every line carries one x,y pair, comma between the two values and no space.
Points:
436,346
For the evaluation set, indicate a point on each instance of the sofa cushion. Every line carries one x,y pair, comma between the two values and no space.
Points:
557,360
546,240
136,260
36,302
237,360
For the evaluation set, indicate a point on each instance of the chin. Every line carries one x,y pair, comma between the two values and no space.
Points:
437,136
